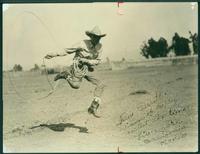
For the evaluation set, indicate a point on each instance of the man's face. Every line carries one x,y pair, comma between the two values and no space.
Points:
95,39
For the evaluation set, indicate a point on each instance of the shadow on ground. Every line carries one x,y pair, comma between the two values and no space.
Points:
139,92
61,127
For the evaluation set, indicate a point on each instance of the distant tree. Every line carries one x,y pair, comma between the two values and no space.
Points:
180,45
17,67
154,48
162,47
123,59
194,40
108,60
145,50
35,68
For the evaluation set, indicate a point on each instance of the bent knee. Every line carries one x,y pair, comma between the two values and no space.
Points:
75,85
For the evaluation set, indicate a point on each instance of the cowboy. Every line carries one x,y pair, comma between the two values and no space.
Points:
86,55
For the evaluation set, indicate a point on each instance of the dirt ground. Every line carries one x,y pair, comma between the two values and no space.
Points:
142,109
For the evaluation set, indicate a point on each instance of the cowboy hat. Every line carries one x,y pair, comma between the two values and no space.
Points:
95,31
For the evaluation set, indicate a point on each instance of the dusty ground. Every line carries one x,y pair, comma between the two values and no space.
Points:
143,109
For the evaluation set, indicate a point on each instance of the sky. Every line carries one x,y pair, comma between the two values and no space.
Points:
30,31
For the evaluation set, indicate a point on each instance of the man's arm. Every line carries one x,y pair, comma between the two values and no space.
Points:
51,55
91,61
64,53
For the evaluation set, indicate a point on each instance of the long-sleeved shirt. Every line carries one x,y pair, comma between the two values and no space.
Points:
86,52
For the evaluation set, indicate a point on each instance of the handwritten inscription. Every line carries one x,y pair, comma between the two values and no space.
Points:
172,139
175,111
163,135
124,117
156,121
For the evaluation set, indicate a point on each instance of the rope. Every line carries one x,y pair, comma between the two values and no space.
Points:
14,88
53,88
51,92
52,37
46,73
79,72
39,19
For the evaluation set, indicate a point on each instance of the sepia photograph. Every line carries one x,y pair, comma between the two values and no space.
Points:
100,77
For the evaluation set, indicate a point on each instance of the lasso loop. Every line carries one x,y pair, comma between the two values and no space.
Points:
52,37
44,65
46,74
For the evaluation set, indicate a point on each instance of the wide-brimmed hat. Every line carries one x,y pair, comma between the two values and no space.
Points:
95,32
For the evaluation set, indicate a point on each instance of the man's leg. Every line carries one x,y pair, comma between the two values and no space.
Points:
97,93
62,75
73,81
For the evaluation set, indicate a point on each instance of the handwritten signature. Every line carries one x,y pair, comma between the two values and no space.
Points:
124,117
155,121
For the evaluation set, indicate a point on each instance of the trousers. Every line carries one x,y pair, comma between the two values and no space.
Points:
75,81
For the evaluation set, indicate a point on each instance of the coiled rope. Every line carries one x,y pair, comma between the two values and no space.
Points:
77,71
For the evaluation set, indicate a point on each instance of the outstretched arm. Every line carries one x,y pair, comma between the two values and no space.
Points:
51,55
64,53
